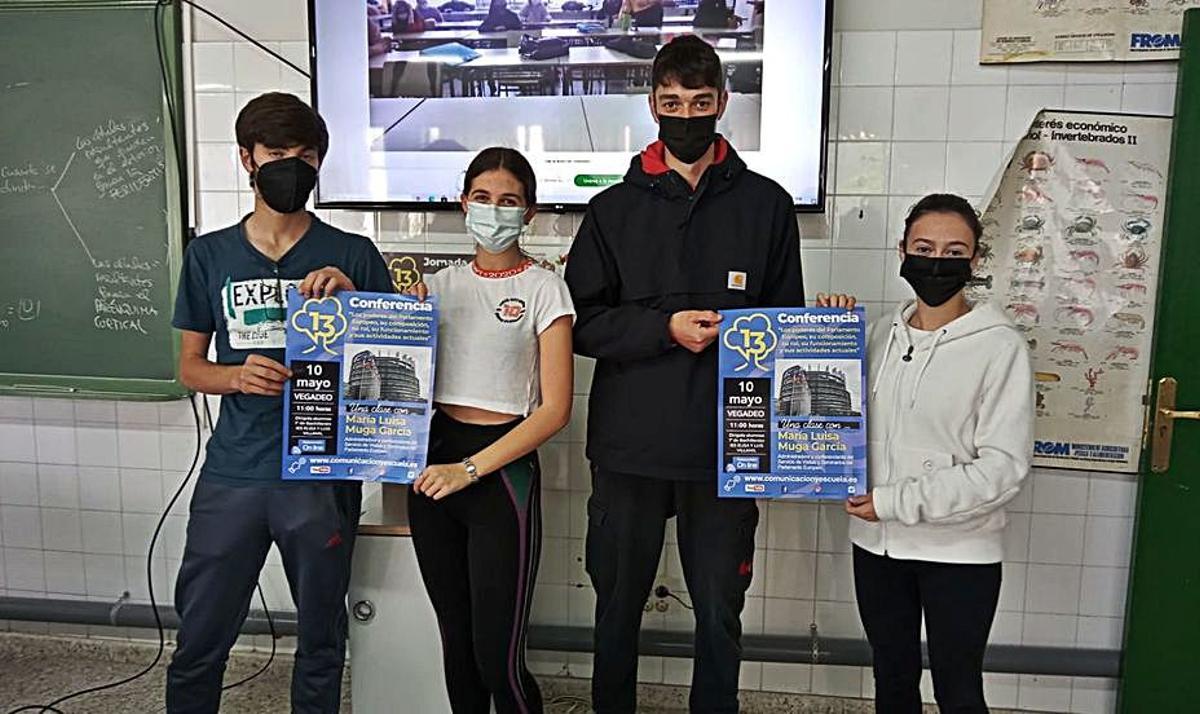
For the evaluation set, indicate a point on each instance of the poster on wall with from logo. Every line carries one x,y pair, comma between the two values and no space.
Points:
792,390
1081,30
1072,241
359,402
407,268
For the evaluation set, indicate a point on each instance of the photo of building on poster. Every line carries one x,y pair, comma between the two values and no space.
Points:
382,374
832,388
792,423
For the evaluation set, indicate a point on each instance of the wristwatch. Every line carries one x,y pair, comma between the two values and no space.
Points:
472,470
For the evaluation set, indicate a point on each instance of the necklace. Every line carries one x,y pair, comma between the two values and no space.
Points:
498,274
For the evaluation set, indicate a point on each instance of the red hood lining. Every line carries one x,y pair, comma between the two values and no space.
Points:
654,156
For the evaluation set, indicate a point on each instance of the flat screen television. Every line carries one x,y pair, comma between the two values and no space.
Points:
411,92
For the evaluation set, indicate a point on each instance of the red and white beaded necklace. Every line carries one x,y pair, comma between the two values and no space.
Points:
500,274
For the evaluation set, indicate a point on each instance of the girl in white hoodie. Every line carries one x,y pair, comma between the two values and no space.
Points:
950,440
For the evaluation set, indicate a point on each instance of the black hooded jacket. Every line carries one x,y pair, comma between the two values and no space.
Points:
649,247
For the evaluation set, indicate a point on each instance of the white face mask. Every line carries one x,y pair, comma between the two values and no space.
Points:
495,228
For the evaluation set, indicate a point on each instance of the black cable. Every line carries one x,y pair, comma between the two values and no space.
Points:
176,135
270,660
162,643
262,598
680,601
162,639
274,637
662,591
207,414
52,706
243,35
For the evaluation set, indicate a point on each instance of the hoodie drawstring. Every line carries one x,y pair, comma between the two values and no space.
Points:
925,366
887,352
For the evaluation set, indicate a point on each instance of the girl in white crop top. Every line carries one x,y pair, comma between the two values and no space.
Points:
503,387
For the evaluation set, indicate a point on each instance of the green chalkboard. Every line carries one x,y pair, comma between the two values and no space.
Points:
91,210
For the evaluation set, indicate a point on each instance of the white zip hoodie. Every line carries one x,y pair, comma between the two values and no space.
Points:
950,436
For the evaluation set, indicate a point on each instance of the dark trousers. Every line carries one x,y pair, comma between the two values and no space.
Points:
478,550
626,520
229,532
959,603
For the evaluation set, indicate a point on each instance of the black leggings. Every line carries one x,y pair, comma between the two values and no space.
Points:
959,602
478,550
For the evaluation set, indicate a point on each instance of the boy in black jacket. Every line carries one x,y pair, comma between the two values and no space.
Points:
689,232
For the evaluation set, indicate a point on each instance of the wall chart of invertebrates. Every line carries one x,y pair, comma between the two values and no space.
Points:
1081,30
1072,238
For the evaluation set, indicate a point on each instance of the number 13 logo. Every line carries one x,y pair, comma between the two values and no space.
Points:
404,272
753,338
321,321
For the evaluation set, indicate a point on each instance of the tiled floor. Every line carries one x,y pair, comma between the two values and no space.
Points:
37,669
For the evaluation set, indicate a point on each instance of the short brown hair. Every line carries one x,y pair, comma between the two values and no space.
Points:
278,120
690,61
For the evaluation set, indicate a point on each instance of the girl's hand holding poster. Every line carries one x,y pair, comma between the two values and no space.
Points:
792,419
358,404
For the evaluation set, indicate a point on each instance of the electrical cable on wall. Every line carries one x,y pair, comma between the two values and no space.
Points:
274,640
662,592
177,139
239,33
175,132
208,417
162,66
52,707
177,136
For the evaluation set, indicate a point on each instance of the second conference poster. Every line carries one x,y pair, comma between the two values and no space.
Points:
792,421
359,402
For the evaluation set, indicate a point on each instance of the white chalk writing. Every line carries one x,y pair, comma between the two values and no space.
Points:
126,155
25,309
123,297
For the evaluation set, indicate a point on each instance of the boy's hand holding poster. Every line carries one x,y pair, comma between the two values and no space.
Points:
792,419
358,404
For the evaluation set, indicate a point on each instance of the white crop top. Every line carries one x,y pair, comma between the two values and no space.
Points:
488,328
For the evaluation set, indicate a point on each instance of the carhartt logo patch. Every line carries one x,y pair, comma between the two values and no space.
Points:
737,280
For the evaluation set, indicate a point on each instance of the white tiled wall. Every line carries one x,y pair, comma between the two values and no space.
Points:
911,111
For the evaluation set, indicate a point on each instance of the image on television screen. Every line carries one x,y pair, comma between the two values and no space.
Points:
411,90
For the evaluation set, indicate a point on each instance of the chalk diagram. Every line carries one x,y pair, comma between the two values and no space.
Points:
126,159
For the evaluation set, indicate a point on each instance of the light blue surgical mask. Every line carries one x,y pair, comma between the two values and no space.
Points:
495,228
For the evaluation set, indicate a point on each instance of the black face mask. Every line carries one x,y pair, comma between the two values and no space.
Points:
935,280
688,139
285,184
